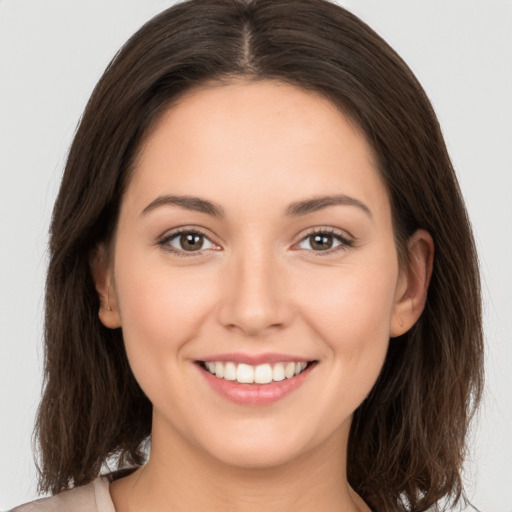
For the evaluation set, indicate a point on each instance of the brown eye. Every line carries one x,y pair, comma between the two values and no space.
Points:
191,241
187,241
322,241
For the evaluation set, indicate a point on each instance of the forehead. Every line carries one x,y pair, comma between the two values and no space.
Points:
256,108
256,138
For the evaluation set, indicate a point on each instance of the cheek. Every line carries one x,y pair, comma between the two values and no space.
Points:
352,321
161,308
351,312
354,306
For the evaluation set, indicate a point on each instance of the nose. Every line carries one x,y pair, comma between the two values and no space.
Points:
254,297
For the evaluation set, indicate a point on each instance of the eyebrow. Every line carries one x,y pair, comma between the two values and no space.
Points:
295,209
188,203
318,203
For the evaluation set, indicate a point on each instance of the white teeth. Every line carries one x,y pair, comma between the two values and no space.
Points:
289,370
230,371
278,372
245,374
219,370
261,374
299,367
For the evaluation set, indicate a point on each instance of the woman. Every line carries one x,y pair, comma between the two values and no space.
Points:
242,273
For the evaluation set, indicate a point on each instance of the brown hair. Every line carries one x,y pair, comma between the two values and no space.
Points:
407,441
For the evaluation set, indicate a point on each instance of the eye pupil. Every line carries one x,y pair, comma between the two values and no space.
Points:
321,242
191,241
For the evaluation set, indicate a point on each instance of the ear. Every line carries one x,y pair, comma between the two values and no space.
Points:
411,292
103,281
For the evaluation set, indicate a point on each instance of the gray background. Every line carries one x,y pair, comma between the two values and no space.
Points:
52,52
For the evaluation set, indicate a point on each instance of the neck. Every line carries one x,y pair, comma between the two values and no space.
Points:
178,477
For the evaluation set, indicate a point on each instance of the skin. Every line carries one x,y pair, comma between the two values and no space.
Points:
258,285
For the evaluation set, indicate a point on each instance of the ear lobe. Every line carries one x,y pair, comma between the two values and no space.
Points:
413,284
102,277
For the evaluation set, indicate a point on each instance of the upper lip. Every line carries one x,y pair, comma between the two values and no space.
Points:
255,359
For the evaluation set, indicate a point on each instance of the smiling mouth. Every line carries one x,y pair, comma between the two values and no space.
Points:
260,374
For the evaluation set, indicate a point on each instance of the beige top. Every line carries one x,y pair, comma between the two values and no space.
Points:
93,497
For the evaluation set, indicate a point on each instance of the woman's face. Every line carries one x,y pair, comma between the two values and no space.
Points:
256,235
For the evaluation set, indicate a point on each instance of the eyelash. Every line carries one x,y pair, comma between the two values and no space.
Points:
344,242
165,241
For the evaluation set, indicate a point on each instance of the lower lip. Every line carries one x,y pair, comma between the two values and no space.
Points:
255,394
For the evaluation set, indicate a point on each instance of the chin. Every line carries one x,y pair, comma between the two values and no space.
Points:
256,456
267,446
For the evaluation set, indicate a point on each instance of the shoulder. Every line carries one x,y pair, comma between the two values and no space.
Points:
93,497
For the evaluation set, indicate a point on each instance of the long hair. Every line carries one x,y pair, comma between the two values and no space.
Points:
407,440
